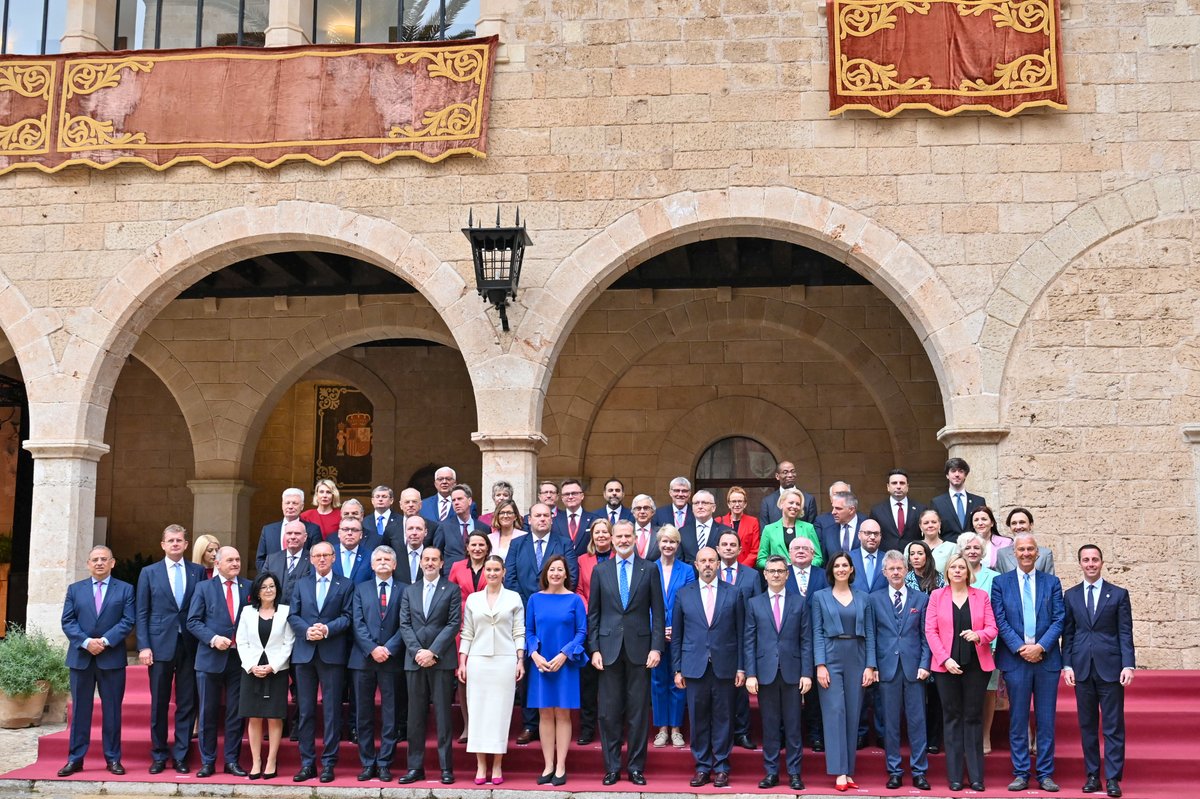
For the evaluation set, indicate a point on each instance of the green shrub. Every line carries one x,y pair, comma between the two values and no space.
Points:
22,660
53,664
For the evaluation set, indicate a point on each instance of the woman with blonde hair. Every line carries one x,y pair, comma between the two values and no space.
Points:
325,513
204,552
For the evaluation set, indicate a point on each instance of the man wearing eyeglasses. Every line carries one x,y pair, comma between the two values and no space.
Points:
574,522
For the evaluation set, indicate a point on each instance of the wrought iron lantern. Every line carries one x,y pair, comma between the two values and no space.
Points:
498,252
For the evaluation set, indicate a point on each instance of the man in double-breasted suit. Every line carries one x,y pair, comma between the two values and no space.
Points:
97,615
896,509
902,656
290,564
430,618
957,505
626,636
707,622
1099,661
1028,605
777,655
164,593
320,617
212,620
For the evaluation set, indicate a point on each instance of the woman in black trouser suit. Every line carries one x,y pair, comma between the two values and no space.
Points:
960,626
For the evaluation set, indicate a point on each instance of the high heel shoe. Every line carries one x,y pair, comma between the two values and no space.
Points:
545,778
497,780
559,780
851,784
269,775
254,775
480,780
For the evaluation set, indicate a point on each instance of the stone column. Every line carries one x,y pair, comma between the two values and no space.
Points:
286,24
511,457
62,526
89,26
979,447
222,508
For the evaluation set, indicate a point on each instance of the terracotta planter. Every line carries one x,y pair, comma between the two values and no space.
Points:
19,712
56,707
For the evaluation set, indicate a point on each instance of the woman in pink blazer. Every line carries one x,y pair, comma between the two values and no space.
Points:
960,626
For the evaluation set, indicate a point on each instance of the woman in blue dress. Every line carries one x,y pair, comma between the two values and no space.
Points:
555,628
666,701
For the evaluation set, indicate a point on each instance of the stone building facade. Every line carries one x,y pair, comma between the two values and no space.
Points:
1029,302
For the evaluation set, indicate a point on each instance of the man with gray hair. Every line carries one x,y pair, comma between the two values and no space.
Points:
677,512
351,509
271,539
438,506
705,531
839,533
645,542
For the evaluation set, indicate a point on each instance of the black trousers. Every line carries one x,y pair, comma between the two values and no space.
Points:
210,687
624,699
1098,701
427,686
589,694
180,673
962,720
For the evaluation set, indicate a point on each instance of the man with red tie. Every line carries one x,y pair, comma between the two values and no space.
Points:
574,521
451,536
644,542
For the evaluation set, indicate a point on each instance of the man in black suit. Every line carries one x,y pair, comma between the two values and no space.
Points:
768,511
164,593
704,530
777,656
804,580
430,618
212,619
898,516
351,509
320,617
840,532
748,582
1099,661
626,636
613,510
290,564
376,663
410,506
383,524
574,522
957,504
271,538
451,535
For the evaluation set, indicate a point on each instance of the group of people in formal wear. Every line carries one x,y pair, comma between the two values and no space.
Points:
907,620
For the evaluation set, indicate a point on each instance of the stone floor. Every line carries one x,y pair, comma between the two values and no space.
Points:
18,748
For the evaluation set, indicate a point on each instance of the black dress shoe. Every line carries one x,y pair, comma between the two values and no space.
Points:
235,769
920,783
412,775
1091,784
367,773
1049,785
384,773
181,767
978,787
611,777
159,766
115,767
956,786
1019,784
447,777
933,749
893,782
818,746
861,743
304,774
699,778
637,778
795,783
585,739
721,780
206,770
72,767
744,742
1113,788
769,781
327,774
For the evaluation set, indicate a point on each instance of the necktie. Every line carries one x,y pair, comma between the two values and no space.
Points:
379,525
443,509
229,601
414,564
612,518
778,613
845,538
179,584
322,590
701,535
679,514
962,512
99,596
643,541
803,581
382,599
465,533
870,570
729,574
539,552
1027,608
709,601
347,562
573,525
900,518
291,563
1091,604
428,597
623,584
896,601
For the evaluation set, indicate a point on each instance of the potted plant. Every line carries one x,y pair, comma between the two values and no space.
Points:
22,691
54,672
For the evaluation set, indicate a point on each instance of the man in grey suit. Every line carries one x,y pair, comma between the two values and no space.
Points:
1020,522
292,563
903,658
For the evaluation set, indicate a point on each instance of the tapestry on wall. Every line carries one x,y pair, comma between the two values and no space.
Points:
343,438
264,106
945,56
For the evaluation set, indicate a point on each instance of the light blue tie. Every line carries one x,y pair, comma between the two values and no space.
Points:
870,570
962,512
414,567
623,583
179,584
1027,609
347,562
539,544
322,588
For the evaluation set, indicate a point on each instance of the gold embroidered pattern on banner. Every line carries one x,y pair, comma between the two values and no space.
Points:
460,64
1023,16
1029,72
865,76
28,81
86,78
457,120
865,18
31,135
78,131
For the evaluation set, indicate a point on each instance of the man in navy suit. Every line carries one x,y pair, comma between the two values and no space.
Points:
677,512
613,510
212,620
164,593
451,535
352,555
522,572
898,509
383,524
438,507
707,622
768,511
777,655
290,564
804,580
97,615
574,522
1029,619
410,506
957,504
271,538
748,582
1099,661
902,656
320,617
839,533
703,530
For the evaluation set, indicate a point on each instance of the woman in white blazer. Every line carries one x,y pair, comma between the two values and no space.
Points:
491,661
264,644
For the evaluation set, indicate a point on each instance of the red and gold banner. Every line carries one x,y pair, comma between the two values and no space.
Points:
222,105
945,56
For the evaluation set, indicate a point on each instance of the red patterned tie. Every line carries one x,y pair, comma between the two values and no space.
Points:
229,600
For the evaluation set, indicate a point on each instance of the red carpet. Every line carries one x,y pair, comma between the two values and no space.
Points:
1162,716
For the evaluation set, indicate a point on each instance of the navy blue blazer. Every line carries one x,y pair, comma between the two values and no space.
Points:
521,573
827,623
830,533
1048,609
666,515
271,538
944,505
372,629
700,644
113,623
885,513
334,614
208,615
769,510
159,619
900,644
448,538
362,562
878,581
623,513
786,653
429,509
816,581
583,536
1102,644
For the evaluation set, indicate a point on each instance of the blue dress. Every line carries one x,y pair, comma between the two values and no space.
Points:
555,623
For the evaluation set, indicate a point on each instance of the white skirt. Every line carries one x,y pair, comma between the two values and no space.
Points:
491,688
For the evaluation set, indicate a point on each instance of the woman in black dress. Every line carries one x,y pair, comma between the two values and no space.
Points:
264,643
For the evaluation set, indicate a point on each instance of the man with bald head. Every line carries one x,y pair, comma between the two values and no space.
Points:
271,538
410,507
292,563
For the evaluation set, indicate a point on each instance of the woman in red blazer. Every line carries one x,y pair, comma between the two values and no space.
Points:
745,525
960,627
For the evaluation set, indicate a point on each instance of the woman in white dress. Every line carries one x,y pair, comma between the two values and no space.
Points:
491,661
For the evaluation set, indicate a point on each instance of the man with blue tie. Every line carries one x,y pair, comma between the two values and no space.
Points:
164,592
97,615
777,655
1099,662
748,581
707,621
678,512
1029,619
613,510
212,619
320,617
957,505
351,555
383,524
902,656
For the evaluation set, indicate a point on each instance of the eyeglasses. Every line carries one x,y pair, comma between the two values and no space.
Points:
572,493
775,571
